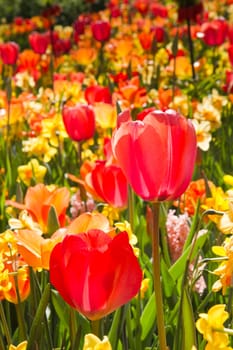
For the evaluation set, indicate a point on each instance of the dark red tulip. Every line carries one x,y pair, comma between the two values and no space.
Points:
94,273
79,122
190,12
98,93
101,30
9,52
109,183
157,155
39,42
214,32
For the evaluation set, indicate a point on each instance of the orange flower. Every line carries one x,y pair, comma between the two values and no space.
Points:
38,201
36,250
84,55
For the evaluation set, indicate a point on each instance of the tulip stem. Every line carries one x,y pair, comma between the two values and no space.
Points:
95,327
157,278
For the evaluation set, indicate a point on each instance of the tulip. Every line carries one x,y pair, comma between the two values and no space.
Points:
109,183
94,273
9,52
101,30
98,93
39,42
214,32
157,155
79,122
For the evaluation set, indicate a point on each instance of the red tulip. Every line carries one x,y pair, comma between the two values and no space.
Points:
157,155
9,52
228,87
230,54
191,11
101,30
79,122
98,93
109,183
39,42
94,273
214,32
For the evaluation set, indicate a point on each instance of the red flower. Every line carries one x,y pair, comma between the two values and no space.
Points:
191,12
230,54
97,93
215,32
101,30
109,183
79,122
157,155
39,42
94,273
9,52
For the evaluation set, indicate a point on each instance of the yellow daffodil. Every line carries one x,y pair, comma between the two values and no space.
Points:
92,342
212,328
228,179
225,269
21,346
32,170
39,146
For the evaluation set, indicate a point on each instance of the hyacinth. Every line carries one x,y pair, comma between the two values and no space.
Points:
79,205
177,230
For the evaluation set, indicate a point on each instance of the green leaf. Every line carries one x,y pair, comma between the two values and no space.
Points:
53,223
37,324
188,322
169,285
148,317
60,307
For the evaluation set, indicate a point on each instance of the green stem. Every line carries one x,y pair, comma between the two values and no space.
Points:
4,324
156,275
131,207
95,327
73,327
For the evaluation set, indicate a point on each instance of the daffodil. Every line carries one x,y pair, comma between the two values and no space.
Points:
32,170
204,137
92,342
211,326
225,269
21,346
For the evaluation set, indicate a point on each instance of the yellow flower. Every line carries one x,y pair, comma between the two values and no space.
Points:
39,146
92,342
32,170
106,115
212,328
228,179
21,346
225,269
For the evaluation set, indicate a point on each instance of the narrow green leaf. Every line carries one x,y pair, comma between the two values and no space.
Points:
188,322
60,307
37,323
169,285
148,317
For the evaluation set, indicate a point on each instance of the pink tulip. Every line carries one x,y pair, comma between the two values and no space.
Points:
157,155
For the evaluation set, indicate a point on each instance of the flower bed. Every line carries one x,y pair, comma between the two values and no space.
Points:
116,177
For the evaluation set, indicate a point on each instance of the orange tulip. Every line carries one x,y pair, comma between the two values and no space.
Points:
39,200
